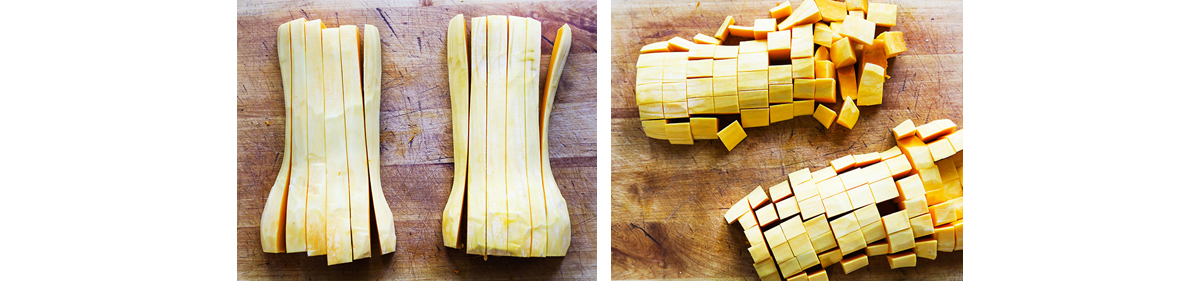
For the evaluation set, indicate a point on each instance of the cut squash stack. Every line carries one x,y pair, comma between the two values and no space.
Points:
504,200
779,68
328,186
835,215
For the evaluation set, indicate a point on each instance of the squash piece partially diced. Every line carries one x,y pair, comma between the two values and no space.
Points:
905,259
882,14
781,112
648,93
806,13
656,47
704,39
753,99
877,249
945,237
674,92
841,53
803,107
854,262
741,31
862,160
941,149
832,10
916,152
824,115
803,68
725,52
655,129
723,31
756,117
858,29
849,114
779,74
729,105
700,68
702,51
824,69
842,163
782,10
732,135
926,248
679,44
804,89
824,90
724,86
910,188
849,84
753,62
900,241
921,225
837,204
899,166
780,94
823,34
904,130
762,27
890,153
870,87
779,44
860,196
725,68
679,131
893,43
704,128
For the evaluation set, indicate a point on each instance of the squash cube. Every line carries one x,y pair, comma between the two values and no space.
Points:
900,241
851,242
904,130
877,171
753,80
860,30
830,187
781,11
896,222
766,215
870,86
842,54
941,149
877,249
832,10
699,88
873,232
905,259
890,153
754,235
803,107
822,53
823,35
657,129
753,62
679,131
915,207
787,208
741,31
855,261
830,258
799,243
860,196
825,91
945,237
753,99
804,14
824,114
779,44
884,190
803,68
679,45
759,252
703,39
865,159
824,69
837,204
799,177
844,226
723,31
756,117
893,43
781,112
725,52
842,164
802,89
724,86
702,105
762,27
811,207
729,105
732,135
725,68
648,93
704,128
699,68
779,74
650,111
899,166
882,14
921,225
917,152
656,47
926,248
801,48
849,114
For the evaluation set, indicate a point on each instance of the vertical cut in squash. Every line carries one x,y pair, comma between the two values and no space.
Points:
271,228
297,197
338,242
372,73
497,206
558,219
315,225
518,222
459,78
356,144
477,203
537,195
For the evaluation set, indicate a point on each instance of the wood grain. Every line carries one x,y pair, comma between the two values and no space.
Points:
417,149
668,200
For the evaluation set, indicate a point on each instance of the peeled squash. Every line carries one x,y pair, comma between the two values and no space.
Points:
328,184
502,181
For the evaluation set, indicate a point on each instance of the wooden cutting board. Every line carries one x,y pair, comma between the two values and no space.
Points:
417,149
668,200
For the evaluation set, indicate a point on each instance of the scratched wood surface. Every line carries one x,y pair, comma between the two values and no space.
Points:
668,200
417,149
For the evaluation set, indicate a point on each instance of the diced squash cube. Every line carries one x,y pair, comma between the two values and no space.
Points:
873,53
737,210
862,160
803,89
799,242
860,30
679,44
679,131
702,51
756,117
823,35
904,130
844,226
905,259
699,68
803,68
956,140
754,235
704,128
915,207
830,258
779,44
842,163
781,112
900,241
723,31
811,207
803,107
648,93
899,166
953,188
926,248
790,267
852,178
882,14
704,105
752,46
860,196
917,152
921,225
704,39
832,10
829,187
782,10
877,249
724,86
741,31
762,27
823,174
759,252
821,53
947,169
779,74
873,232
817,226
753,62
819,275
656,47
806,13
884,189
801,48
824,69
945,237
943,214
779,191
650,75
896,222
941,149
753,80
890,153
766,215
930,131
824,114
732,135
837,204
854,262
774,235
698,88
757,197
792,227
931,178
911,187
753,99
806,259
725,52
842,54
870,87
849,114
798,177
825,91
650,59
749,220
851,242
893,43
729,105
958,235
674,91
